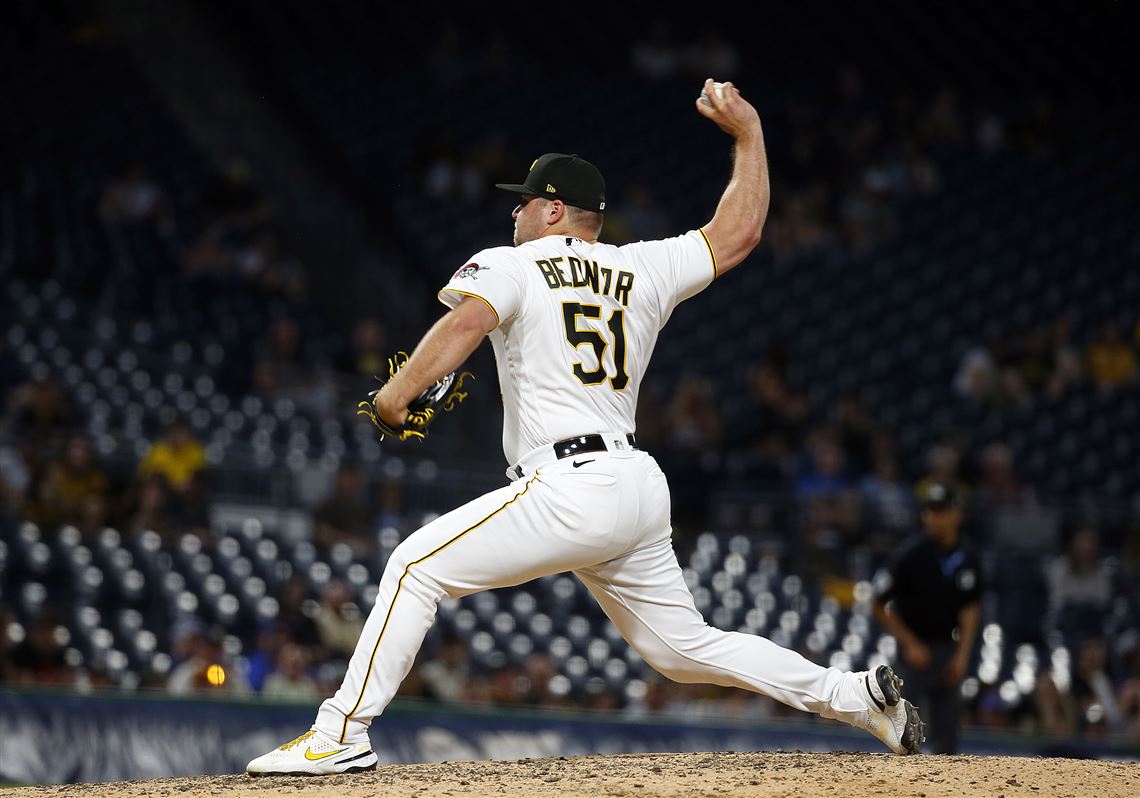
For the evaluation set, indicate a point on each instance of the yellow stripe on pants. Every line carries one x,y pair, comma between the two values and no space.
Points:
400,584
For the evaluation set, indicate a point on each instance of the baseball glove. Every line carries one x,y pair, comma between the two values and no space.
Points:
443,395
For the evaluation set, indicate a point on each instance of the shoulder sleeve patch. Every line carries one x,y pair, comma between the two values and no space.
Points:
468,272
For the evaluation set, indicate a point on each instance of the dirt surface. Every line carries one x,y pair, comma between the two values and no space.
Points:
767,774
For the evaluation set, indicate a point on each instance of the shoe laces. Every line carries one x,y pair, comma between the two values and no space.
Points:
299,740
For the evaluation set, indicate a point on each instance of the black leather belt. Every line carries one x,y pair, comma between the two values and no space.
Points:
586,443
572,446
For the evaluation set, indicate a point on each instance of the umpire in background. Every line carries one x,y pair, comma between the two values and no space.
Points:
928,599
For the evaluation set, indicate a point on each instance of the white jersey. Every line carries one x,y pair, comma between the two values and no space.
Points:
577,326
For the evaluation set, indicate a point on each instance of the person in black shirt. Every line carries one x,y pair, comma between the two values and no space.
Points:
928,599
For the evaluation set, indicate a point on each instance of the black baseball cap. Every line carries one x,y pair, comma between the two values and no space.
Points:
939,496
569,178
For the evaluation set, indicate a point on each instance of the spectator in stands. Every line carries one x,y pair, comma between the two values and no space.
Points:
295,611
943,466
866,217
988,373
7,619
1067,365
929,599
339,621
1128,683
135,197
446,676
487,161
825,474
691,449
711,54
344,516
290,680
65,484
976,377
998,484
1112,362
389,505
280,370
260,259
1035,358
539,669
990,709
94,516
1089,707
798,225
650,420
262,661
887,498
40,658
367,356
692,420
146,507
205,666
1079,583
189,510
176,456
1128,577
829,500
439,166
640,219
942,123
856,430
362,360
207,260
774,407
15,476
232,198
42,413
656,55
507,685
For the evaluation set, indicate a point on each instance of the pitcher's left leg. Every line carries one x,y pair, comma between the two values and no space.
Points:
645,595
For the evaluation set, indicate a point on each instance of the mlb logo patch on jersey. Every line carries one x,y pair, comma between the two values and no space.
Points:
467,271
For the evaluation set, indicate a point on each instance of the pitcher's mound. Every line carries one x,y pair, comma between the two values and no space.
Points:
767,774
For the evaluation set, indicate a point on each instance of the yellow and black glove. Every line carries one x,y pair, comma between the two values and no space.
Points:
443,395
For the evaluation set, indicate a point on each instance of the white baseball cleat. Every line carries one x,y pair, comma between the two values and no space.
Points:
890,717
313,754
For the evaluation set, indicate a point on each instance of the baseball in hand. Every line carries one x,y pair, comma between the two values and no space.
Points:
718,88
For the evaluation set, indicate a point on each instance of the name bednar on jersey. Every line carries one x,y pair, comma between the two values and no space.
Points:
592,313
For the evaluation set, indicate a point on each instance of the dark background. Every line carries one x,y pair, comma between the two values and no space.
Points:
231,213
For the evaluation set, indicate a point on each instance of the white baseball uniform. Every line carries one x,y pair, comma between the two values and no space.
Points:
577,326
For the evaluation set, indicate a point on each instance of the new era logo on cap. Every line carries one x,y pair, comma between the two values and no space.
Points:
579,183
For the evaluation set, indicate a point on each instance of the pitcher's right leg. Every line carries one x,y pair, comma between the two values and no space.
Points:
405,609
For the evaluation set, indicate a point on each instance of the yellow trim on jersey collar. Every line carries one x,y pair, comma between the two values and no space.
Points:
439,296
716,271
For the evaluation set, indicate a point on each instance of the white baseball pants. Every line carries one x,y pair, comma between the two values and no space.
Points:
606,520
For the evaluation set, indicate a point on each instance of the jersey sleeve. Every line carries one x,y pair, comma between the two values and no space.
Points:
491,276
679,267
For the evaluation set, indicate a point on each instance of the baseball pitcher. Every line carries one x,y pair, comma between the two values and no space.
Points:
573,323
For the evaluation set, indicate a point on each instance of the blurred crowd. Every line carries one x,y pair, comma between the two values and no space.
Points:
1020,370
839,474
